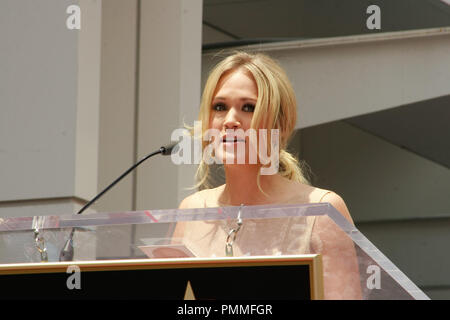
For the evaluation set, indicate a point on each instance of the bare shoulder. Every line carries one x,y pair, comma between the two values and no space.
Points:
338,203
317,195
192,201
307,193
197,199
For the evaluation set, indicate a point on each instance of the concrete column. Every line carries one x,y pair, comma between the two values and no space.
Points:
169,94
117,147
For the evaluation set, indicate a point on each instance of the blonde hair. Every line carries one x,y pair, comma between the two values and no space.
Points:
276,107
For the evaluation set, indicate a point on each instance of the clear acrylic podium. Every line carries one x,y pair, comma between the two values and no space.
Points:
246,231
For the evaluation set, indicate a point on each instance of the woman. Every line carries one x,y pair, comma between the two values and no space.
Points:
251,92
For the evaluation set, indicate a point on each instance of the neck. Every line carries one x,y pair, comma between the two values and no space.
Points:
241,186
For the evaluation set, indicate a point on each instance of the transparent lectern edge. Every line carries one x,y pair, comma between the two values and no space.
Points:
371,250
162,216
387,266
418,294
245,212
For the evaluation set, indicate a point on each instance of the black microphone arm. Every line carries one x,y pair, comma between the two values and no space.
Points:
67,251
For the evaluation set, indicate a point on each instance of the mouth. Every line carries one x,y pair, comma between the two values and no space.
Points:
229,140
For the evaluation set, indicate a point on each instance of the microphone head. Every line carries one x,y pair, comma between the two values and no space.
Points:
67,252
168,149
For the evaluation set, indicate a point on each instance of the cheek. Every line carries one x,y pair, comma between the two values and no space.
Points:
247,123
246,120
215,122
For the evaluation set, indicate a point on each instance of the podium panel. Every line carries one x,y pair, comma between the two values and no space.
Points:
261,278
353,268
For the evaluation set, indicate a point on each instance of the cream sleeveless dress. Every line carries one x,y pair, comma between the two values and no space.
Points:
275,236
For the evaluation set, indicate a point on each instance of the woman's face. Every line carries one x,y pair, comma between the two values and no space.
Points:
232,108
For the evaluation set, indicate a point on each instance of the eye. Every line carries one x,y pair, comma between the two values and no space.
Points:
219,106
248,107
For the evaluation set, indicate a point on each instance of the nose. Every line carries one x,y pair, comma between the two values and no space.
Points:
232,120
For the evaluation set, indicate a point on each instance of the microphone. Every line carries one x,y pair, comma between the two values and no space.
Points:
67,251
167,150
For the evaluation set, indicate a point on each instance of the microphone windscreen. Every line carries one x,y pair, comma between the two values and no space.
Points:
167,150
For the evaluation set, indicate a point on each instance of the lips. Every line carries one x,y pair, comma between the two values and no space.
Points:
232,139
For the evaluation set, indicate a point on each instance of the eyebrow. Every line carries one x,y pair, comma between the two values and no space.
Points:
242,99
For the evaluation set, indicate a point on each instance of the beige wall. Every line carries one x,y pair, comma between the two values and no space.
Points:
49,107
